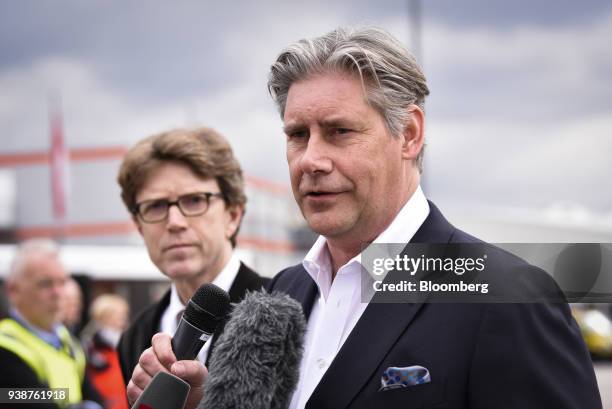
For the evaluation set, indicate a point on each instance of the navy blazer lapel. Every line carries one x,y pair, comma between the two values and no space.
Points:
374,335
297,282
378,329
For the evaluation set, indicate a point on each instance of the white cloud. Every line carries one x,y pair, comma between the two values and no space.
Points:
94,113
520,116
546,70
503,104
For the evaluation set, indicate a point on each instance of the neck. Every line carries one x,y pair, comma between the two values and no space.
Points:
43,325
341,254
188,286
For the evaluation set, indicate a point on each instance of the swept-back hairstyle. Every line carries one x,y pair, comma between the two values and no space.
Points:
390,75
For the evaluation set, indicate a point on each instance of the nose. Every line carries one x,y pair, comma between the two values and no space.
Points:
316,158
176,220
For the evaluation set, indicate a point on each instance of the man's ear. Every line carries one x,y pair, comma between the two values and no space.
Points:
414,133
235,217
11,289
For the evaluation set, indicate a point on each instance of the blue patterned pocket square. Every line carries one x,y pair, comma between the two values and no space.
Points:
395,377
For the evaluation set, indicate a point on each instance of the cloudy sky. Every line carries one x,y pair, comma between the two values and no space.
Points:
520,112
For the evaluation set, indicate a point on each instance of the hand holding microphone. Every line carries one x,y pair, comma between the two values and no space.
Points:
206,309
161,358
255,364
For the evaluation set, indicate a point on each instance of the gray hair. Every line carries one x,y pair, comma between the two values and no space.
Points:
28,249
391,78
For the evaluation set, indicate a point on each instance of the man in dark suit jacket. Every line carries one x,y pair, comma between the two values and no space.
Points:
185,191
352,106
495,355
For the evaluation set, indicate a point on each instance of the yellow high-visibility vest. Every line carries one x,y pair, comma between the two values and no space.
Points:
63,368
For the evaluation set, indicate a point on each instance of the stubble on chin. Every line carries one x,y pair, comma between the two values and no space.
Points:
179,269
323,223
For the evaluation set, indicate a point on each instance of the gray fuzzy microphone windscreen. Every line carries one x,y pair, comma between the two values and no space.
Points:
255,364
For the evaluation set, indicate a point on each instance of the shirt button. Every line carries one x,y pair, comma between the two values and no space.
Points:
338,304
321,363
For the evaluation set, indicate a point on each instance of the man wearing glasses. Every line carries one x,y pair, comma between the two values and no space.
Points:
185,191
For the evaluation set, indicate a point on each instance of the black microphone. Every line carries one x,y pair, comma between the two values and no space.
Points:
165,391
255,364
205,310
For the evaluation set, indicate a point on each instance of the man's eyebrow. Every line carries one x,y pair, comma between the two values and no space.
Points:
334,122
293,127
153,198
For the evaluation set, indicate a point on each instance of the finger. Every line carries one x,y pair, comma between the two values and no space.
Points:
133,392
162,347
195,374
150,363
140,377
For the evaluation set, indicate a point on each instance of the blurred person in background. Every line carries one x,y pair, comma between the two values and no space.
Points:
185,191
72,306
36,349
109,318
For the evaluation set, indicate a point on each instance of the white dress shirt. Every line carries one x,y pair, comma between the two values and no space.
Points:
174,310
338,306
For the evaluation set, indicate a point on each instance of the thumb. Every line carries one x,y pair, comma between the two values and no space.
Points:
193,372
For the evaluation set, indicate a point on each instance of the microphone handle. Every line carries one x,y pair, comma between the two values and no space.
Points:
188,340
165,391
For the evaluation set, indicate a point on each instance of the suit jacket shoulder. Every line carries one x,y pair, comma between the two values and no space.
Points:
293,276
246,280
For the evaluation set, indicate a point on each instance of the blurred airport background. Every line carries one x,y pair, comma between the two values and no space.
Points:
518,121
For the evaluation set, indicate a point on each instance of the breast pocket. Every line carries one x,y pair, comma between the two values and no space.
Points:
425,396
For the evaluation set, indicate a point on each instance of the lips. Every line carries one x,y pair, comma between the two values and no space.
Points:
321,194
318,189
321,198
177,246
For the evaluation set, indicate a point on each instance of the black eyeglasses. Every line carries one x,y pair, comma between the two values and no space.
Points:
190,205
